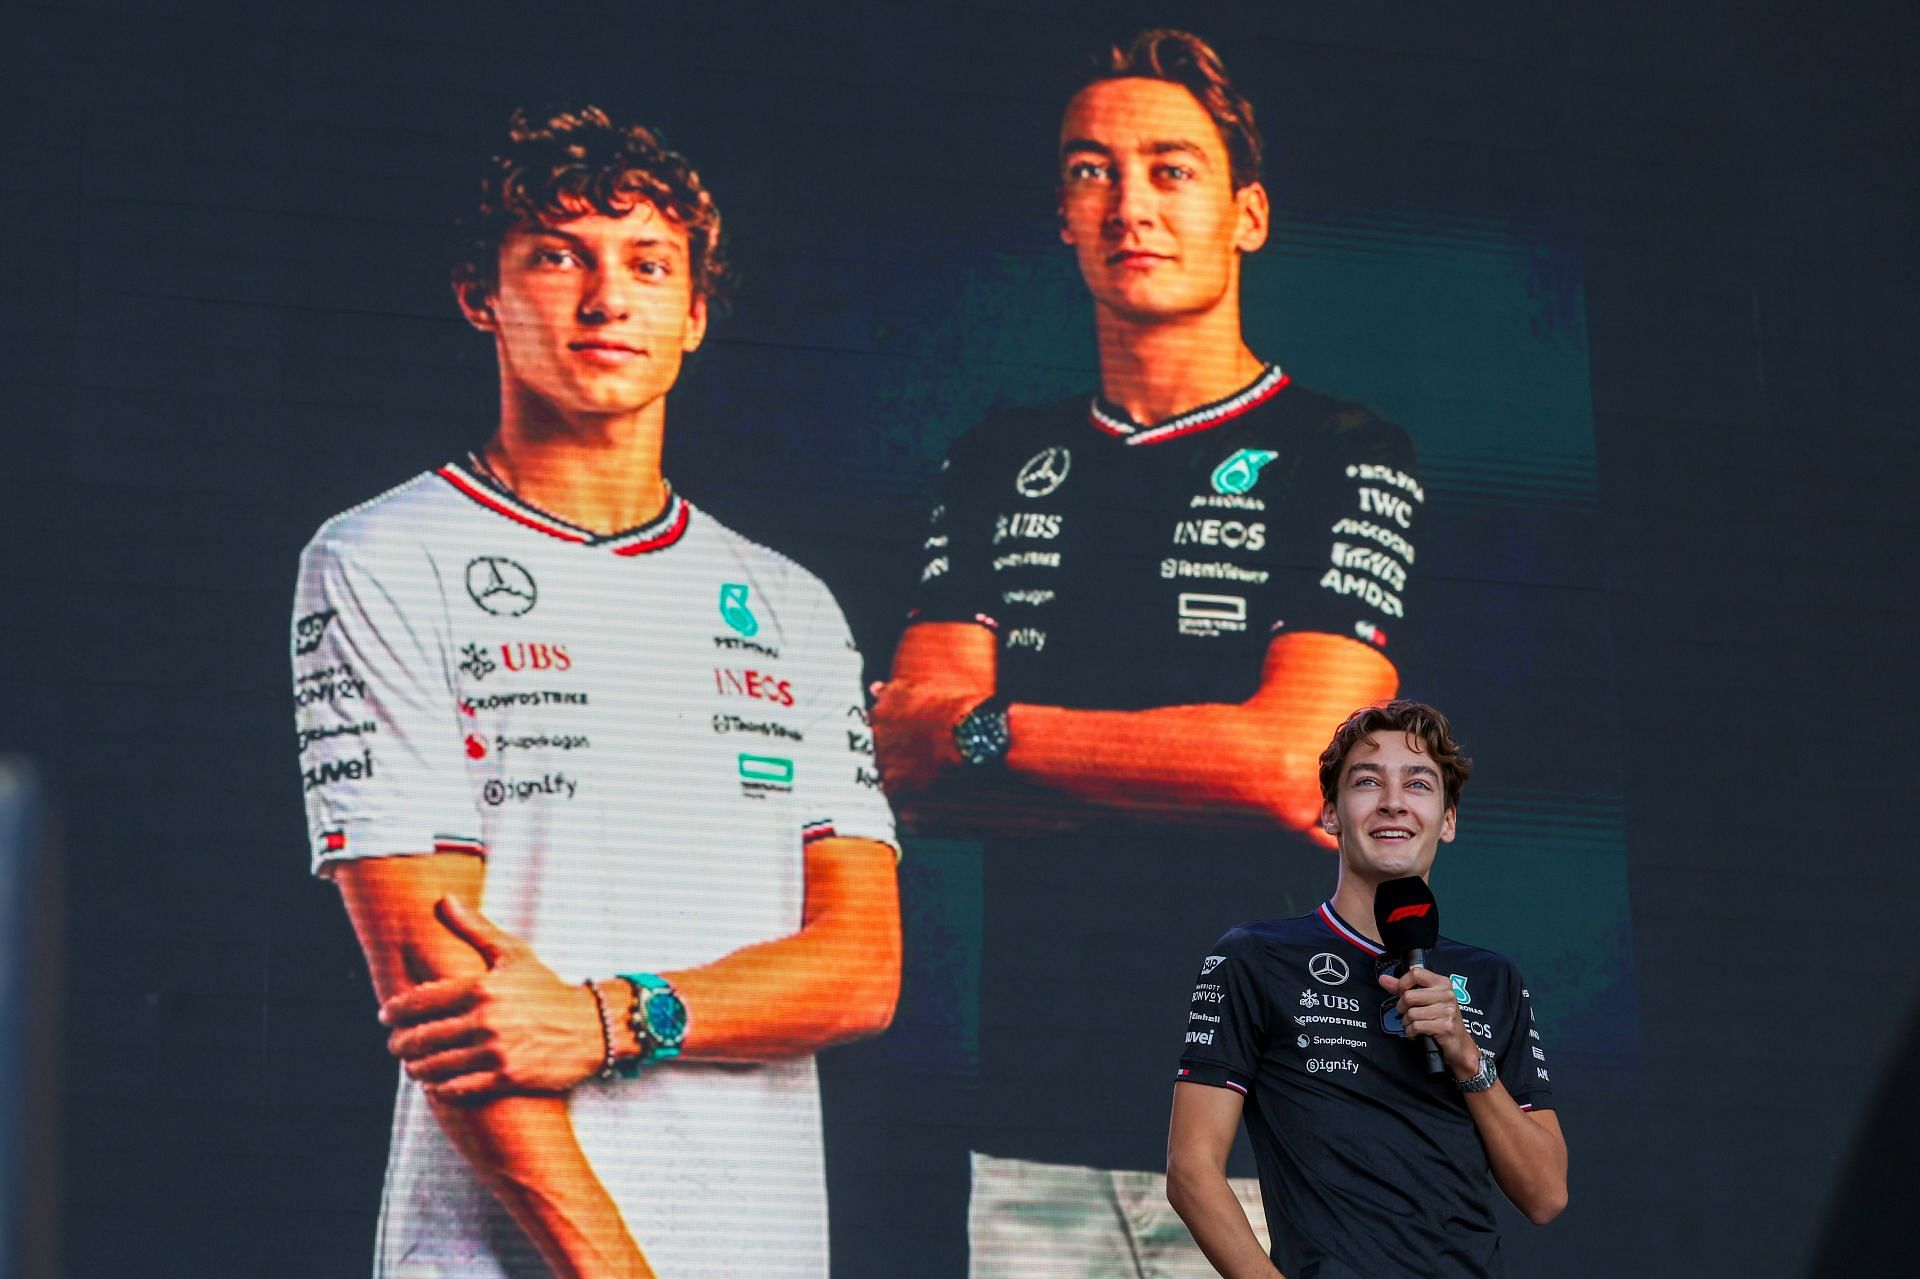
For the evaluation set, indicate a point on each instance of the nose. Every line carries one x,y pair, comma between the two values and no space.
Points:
1132,203
602,299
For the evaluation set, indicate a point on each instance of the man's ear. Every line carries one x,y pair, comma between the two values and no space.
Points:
697,316
1256,217
1329,820
1447,824
475,300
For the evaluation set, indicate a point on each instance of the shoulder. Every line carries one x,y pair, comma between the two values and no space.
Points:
1271,936
1476,962
1319,420
400,521
781,580
1028,426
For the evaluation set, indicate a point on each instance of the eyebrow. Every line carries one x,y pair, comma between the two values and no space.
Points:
637,242
1409,770
1165,146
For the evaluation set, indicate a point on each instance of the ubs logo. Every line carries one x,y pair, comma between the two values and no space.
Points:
500,586
1044,472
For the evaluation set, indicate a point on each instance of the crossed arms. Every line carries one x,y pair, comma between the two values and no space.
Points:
1257,759
498,1039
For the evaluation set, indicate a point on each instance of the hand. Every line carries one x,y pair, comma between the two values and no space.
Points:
514,1028
913,732
1429,1007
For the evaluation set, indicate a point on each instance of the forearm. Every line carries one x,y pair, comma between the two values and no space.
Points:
522,1147
835,980
525,1150
1217,760
1206,1202
1529,1160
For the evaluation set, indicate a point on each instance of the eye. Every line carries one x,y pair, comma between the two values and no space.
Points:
558,259
1365,779
1086,171
653,268
1176,172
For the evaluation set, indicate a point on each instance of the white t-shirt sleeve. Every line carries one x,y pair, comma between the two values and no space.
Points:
839,777
376,707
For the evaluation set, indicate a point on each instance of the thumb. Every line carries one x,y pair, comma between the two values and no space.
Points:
1391,984
470,926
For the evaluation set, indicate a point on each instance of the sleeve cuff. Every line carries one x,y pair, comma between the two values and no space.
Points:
1213,1075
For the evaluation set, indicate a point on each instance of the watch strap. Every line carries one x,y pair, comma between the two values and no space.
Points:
1487,1077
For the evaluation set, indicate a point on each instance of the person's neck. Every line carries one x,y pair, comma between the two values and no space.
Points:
1160,370
1353,902
601,473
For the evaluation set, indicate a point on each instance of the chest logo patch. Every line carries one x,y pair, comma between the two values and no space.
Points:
499,586
1241,471
1212,962
1460,988
1044,472
1328,970
734,611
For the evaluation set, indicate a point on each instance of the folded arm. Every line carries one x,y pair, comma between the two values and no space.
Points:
517,1026
522,1147
1254,759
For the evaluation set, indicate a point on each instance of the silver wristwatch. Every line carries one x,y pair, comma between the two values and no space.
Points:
1482,1081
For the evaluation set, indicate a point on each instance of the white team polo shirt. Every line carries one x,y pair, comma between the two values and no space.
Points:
639,733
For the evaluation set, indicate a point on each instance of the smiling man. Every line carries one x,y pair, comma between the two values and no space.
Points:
1370,1168
1141,613
540,683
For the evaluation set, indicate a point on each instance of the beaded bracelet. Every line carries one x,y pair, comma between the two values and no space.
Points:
606,1029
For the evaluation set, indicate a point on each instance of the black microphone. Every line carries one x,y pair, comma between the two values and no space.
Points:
1409,922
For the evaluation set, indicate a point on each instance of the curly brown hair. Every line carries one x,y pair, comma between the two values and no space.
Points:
1416,719
1182,58
559,165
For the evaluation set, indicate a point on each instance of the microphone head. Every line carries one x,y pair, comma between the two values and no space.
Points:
1406,915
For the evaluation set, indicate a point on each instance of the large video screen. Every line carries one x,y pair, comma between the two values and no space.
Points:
795,668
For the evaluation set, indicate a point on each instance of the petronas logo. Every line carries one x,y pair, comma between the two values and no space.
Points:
734,610
1241,471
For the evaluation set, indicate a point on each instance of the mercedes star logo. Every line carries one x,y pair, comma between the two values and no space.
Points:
1328,970
500,586
1044,472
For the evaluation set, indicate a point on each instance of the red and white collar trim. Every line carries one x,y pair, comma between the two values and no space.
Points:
662,531
1354,935
1116,422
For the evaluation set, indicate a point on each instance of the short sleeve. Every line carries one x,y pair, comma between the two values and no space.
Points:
955,571
839,779
1227,1018
1354,520
1523,1058
376,711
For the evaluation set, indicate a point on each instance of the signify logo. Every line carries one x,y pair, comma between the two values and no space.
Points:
1241,471
734,611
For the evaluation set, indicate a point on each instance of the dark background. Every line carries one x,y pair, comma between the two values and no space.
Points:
222,320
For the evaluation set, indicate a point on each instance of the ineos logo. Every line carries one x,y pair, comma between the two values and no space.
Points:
1328,970
500,586
1044,472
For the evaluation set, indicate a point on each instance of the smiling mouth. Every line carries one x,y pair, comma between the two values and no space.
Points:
1392,834
1136,258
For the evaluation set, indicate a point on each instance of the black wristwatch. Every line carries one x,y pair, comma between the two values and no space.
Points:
982,735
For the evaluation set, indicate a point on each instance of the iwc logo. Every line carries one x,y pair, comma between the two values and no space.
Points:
1044,472
500,586
1241,471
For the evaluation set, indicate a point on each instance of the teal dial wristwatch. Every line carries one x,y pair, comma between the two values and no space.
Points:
658,1021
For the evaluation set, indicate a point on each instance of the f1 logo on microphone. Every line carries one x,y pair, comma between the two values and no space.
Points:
1416,911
